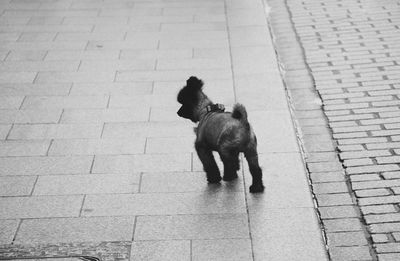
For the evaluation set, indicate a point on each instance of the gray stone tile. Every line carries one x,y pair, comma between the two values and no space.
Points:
142,163
16,186
149,54
338,212
38,116
285,184
7,116
351,253
342,225
28,89
248,60
36,37
246,16
274,130
170,145
24,148
283,221
39,66
353,238
10,102
163,182
17,77
4,130
130,89
8,228
170,250
23,46
150,129
97,146
124,101
249,35
75,230
79,77
45,165
296,246
179,75
194,63
222,249
191,227
266,92
87,184
40,207
134,64
163,204
105,115
64,102
29,55
55,131
167,114
148,44
81,55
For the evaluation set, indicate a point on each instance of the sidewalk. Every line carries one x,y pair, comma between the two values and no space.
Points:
93,156
345,88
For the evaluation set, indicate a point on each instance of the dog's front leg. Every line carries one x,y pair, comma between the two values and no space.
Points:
209,164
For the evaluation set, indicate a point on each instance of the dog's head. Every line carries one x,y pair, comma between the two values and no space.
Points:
189,96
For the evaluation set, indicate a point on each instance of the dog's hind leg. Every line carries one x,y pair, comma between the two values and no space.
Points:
231,164
209,164
255,170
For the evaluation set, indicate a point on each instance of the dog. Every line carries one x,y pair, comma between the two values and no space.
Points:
228,133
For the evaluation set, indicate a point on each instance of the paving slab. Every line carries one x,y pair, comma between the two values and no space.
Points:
75,230
95,159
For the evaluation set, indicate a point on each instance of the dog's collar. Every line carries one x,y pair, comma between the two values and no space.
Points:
215,108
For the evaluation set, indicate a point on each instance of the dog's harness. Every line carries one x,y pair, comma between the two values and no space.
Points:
215,108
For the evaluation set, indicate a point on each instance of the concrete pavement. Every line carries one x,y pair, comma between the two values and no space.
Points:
94,159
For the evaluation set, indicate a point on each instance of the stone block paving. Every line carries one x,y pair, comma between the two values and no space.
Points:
95,161
347,62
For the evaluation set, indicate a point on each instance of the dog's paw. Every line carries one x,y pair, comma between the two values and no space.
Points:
214,180
230,177
256,188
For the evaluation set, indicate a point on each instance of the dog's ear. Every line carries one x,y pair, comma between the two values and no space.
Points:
194,82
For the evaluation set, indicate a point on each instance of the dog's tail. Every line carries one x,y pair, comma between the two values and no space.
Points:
239,112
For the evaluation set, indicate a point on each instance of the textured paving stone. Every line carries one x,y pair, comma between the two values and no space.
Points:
183,182
342,224
55,131
162,204
93,85
351,73
75,230
16,186
40,207
97,146
351,253
86,184
161,250
142,163
45,165
222,249
13,102
8,228
191,227
347,238
24,148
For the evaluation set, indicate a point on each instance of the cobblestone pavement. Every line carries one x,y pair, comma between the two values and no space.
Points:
347,57
94,160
